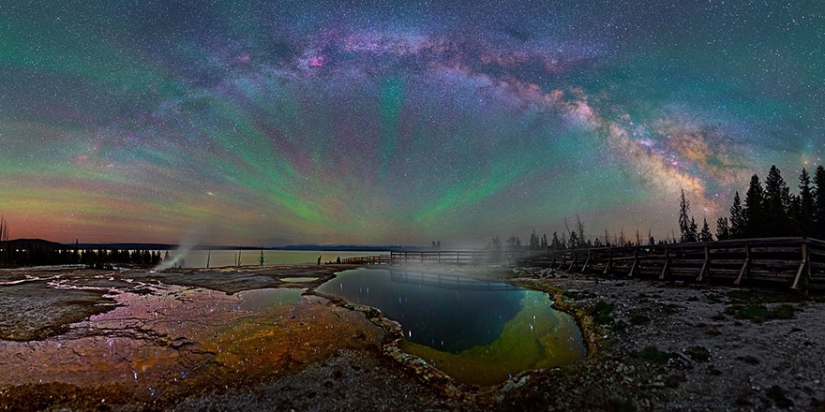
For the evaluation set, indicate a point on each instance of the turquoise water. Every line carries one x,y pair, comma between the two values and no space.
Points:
447,313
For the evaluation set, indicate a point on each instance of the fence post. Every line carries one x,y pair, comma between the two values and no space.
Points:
746,266
705,267
572,262
802,266
609,261
667,263
635,262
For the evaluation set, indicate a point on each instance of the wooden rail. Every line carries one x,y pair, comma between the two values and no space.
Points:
367,260
475,257
796,262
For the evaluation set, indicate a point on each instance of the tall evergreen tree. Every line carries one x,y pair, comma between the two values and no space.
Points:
737,218
573,242
705,235
753,212
806,198
556,244
819,203
722,228
694,230
776,204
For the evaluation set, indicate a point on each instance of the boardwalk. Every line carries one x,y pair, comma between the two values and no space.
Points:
475,257
795,262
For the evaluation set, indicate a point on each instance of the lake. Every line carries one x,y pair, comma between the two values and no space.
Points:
222,258
475,331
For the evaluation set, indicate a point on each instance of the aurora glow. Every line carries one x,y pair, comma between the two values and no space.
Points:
284,122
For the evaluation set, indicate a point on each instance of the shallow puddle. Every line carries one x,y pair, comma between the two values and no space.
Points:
477,332
298,280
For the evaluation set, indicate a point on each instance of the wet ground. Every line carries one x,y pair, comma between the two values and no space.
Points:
249,340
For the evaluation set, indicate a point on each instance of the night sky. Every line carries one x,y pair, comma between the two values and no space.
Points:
371,122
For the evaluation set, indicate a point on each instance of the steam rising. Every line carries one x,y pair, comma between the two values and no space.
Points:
189,242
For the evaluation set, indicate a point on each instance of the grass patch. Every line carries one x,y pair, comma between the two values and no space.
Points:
653,355
698,353
601,313
761,313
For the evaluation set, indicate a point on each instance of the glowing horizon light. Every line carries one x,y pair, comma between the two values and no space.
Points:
275,123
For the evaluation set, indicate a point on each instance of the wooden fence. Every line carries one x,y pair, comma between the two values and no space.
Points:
475,257
367,260
796,262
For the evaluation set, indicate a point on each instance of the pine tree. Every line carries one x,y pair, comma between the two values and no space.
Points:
807,204
535,241
737,218
722,228
556,244
705,235
819,203
776,204
753,211
694,231
574,240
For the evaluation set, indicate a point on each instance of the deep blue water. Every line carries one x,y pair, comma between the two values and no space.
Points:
448,313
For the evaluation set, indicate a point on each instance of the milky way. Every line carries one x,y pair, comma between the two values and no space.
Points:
285,122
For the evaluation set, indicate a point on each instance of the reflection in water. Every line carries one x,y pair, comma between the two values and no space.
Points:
477,332
298,280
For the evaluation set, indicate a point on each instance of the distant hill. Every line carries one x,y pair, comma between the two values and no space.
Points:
32,243
29,243
126,246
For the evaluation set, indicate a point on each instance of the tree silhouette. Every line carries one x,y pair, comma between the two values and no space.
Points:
753,211
687,225
705,235
684,219
722,228
737,218
775,205
819,203
556,244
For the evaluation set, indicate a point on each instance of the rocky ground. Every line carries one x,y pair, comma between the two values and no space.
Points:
194,340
